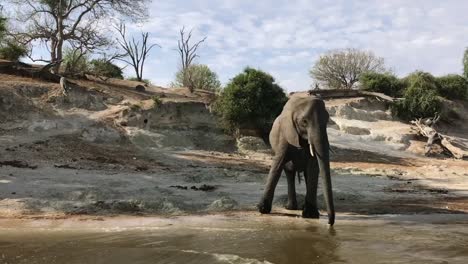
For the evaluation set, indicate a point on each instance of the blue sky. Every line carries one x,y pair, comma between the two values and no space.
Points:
285,38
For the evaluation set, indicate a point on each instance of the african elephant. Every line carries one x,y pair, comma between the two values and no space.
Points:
300,142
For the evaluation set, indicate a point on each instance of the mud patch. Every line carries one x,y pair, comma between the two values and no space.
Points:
204,187
66,166
132,206
409,187
100,134
17,164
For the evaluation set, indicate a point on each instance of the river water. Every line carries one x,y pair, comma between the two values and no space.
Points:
237,238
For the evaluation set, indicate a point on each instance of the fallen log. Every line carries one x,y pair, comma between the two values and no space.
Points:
379,96
458,152
31,71
425,128
347,93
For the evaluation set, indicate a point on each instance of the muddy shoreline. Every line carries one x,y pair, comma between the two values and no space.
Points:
188,182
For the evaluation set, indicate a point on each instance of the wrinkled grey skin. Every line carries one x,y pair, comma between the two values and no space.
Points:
300,142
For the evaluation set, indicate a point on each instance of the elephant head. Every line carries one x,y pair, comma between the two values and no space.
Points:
303,125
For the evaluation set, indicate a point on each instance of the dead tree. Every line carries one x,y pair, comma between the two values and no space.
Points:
58,23
187,54
135,53
425,128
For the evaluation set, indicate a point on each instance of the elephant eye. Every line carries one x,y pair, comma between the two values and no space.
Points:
304,122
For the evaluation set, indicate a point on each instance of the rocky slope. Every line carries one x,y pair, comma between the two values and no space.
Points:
106,148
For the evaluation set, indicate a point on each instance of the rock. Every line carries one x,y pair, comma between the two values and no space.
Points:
251,144
99,134
348,111
225,203
140,88
355,130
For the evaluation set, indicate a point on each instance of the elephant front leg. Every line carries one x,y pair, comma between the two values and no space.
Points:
264,206
292,200
310,206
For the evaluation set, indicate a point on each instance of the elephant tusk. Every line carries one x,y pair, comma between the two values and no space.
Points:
311,150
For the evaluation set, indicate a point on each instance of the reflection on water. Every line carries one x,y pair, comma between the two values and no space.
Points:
239,240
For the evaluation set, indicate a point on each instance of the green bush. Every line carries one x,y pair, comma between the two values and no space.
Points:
197,77
9,50
385,83
453,86
105,68
76,63
12,51
252,100
420,78
420,98
157,100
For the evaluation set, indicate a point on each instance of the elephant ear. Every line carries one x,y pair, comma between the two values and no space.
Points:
289,131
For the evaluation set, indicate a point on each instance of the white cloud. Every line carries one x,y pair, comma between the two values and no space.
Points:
285,37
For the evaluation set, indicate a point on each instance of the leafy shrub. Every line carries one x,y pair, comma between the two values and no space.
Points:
9,50
420,98
423,79
136,107
105,68
197,76
453,86
385,83
76,63
157,100
12,51
252,99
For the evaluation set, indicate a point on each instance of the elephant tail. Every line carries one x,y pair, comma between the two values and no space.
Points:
299,176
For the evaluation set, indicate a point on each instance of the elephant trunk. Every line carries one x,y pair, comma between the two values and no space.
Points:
319,146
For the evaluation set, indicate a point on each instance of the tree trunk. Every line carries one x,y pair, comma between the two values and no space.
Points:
59,56
59,44
53,52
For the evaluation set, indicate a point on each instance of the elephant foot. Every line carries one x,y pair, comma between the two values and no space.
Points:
310,211
331,219
264,207
292,206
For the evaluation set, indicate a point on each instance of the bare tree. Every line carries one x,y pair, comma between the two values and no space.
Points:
135,53
188,53
340,69
56,22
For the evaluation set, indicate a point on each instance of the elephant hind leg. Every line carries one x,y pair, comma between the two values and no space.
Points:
277,166
290,175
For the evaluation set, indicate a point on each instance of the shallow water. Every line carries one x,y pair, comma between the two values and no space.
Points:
238,239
